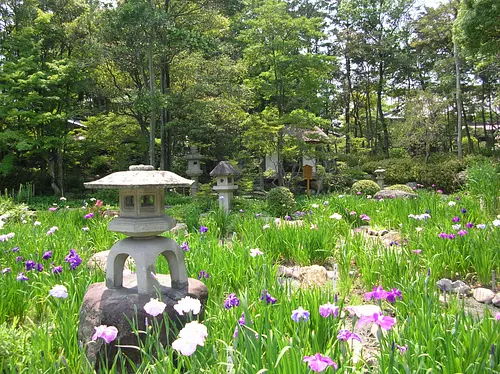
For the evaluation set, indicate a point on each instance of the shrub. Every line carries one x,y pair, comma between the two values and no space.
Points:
400,187
280,202
13,346
442,175
366,187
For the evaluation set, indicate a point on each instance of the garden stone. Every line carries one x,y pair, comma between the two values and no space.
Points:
496,300
483,295
460,288
389,194
363,310
117,306
180,227
444,284
313,276
293,272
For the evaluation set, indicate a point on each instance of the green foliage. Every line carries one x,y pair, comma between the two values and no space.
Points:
483,182
400,187
366,187
281,202
442,175
14,347
12,211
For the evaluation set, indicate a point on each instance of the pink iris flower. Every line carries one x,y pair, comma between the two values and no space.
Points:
384,322
108,333
319,363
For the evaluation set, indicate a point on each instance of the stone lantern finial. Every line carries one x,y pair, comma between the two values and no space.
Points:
224,174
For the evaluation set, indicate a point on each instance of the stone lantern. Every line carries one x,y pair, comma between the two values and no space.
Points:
380,175
194,170
224,174
121,299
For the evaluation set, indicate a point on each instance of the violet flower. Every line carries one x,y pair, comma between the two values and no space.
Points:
327,310
47,255
73,259
345,335
267,297
300,314
185,246
231,301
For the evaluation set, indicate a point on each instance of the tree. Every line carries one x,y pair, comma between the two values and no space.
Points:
283,71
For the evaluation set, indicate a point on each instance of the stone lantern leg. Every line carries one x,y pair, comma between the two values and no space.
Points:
380,175
194,170
224,174
121,299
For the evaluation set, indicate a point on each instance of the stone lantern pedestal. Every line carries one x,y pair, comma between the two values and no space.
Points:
120,300
194,170
224,174
380,175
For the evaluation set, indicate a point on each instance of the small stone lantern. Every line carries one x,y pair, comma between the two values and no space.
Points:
224,174
121,299
380,175
194,170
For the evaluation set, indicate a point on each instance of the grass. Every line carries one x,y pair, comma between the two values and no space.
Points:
41,331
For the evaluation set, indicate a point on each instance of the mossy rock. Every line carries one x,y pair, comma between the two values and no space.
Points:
400,187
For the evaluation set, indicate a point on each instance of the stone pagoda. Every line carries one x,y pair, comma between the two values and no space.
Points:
121,299
194,168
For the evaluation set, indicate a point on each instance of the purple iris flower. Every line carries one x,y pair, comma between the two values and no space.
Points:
345,335
185,247
203,275
267,297
73,259
203,229
393,294
88,215
6,270
47,255
30,264
377,294
469,225
39,267
15,249
231,301
327,310
455,219
462,232
22,277
464,210
300,314
57,270
19,259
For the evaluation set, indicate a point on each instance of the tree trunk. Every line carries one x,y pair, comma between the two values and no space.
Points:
459,101
379,108
348,105
470,144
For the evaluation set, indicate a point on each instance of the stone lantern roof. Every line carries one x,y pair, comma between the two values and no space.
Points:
193,154
140,176
224,168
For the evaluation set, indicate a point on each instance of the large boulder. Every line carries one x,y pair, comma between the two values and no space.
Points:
120,307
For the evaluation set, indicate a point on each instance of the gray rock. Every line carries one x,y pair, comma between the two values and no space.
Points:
389,194
313,276
483,295
460,288
118,306
496,300
444,284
